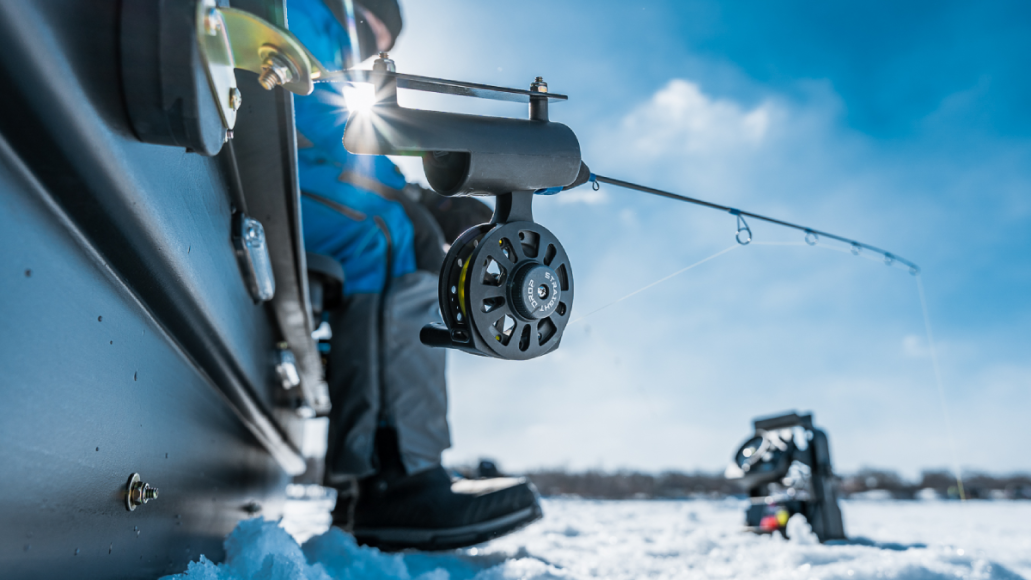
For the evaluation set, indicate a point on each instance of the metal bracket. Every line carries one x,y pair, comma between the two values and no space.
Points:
217,54
444,86
233,39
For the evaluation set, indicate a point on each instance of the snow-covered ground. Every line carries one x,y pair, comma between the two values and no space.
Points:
669,539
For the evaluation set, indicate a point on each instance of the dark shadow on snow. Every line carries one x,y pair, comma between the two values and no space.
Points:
860,541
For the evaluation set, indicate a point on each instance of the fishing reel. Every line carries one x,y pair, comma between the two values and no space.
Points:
786,469
506,287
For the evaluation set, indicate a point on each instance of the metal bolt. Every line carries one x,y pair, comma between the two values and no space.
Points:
384,64
138,493
275,71
254,234
539,86
235,99
212,22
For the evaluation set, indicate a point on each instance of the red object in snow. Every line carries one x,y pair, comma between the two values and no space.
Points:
769,524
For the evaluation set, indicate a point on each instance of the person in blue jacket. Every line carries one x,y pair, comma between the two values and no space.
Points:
388,424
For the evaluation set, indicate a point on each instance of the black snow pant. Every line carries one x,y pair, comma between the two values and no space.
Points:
381,376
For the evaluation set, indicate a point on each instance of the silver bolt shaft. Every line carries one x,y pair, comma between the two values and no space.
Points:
275,71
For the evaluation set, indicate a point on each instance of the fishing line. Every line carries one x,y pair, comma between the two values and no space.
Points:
812,237
657,282
941,388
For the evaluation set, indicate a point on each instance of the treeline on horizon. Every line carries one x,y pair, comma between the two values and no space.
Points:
866,483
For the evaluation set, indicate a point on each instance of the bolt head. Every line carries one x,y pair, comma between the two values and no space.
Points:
384,64
212,22
254,234
235,98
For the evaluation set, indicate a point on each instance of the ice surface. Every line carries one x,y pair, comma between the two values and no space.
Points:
929,540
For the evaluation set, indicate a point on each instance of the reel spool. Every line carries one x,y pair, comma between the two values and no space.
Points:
506,288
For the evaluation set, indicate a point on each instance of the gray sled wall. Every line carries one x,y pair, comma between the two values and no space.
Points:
128,339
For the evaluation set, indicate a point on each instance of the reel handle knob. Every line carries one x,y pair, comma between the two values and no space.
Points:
436,334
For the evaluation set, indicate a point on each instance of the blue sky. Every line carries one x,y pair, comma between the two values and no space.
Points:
904,125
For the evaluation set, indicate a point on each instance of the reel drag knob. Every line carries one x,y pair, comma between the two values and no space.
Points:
535,291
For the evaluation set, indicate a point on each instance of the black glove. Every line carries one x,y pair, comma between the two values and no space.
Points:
454,214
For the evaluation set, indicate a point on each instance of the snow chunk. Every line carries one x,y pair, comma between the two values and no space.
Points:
262,550
800,531
630,540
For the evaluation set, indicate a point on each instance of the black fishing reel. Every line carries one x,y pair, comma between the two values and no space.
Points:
506,287
785,468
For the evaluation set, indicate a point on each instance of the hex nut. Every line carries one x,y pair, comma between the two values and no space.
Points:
138,493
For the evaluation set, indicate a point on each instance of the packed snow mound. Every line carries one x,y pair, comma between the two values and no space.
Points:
262,550
666,539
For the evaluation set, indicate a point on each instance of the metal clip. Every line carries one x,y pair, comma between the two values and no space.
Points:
286,368
252,250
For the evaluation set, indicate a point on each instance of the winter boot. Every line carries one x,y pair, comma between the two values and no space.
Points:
429,511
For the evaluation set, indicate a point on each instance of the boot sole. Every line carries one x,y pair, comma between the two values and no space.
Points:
395,539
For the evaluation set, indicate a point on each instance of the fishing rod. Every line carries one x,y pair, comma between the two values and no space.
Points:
506,287
385,69
744,233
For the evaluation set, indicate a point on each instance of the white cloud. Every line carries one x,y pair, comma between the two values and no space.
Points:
681,120
914,346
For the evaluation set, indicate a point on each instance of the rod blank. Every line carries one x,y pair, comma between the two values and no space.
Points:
889,257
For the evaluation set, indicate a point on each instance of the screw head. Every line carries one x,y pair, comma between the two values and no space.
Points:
212,22
235,99
539,86
254,234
